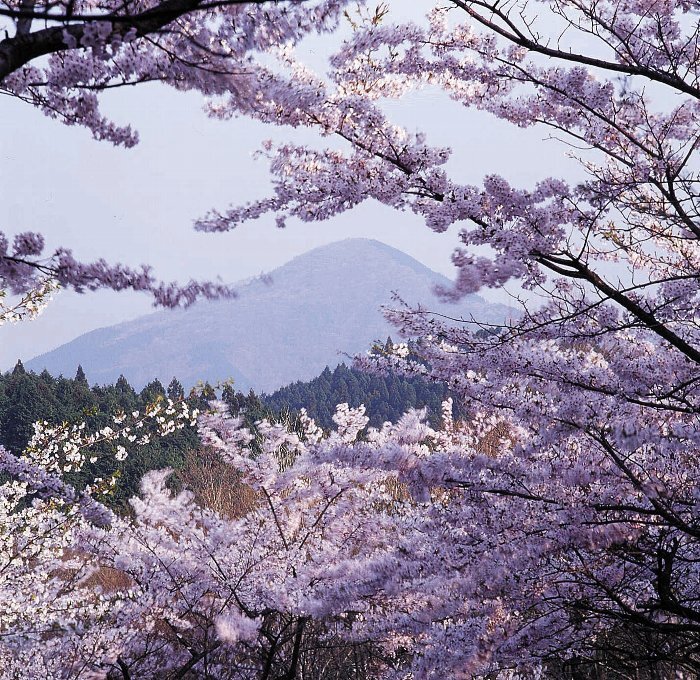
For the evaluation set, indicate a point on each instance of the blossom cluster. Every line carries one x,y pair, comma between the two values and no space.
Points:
30,305
93,47
437,552
27,271
560,525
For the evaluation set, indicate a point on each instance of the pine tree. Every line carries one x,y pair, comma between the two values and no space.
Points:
176,391
230,398
125,394
24,404
80,376
152,392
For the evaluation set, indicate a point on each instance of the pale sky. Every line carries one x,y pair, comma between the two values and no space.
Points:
137,205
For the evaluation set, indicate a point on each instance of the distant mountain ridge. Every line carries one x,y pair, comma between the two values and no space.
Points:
312,310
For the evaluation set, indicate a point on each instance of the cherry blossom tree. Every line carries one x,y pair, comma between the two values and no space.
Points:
571,544
293,585
60,56
399,552
599,375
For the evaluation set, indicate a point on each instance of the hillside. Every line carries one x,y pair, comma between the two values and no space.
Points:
310,311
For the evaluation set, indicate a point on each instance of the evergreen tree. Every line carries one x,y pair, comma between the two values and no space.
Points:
386,397
152,392
125,394
232,399
176,391
80,376
23,404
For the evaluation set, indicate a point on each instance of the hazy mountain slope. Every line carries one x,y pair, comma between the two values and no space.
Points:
315,307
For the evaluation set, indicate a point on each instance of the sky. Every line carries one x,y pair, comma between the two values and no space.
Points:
137,205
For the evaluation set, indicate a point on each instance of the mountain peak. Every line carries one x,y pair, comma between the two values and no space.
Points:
316,307
357,245
358,254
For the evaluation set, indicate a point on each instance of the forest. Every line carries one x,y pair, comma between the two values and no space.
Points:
26,398
546,524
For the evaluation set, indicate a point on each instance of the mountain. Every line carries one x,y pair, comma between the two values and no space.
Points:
284,328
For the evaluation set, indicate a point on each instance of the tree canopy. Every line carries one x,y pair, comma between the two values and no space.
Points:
555,531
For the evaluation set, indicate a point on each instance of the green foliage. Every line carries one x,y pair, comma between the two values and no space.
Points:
26,397
386,397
